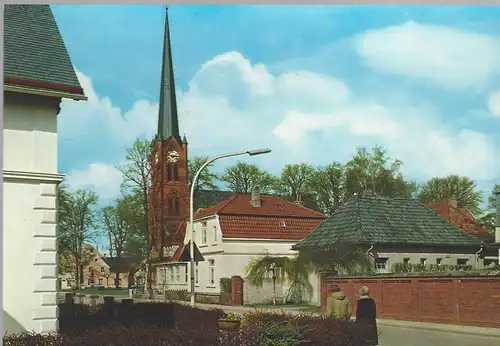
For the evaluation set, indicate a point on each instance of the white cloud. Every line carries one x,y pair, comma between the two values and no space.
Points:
494,103
451,57
303,116
102,178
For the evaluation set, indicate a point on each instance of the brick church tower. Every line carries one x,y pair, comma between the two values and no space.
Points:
169,192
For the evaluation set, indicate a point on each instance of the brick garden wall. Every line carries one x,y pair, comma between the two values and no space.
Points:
473,301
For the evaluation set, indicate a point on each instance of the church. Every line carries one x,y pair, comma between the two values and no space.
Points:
169,191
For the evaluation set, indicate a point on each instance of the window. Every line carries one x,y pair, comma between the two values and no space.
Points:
89,282
186,279
175,172
423,261
120,282
381,263
406,260
462,261
176,207
196,273
171,270
204,233
215,233
90,270
211,270
100,281
102,269
178,273
439,261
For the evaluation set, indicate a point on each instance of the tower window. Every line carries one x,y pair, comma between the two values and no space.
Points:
176,207
175,172
169,173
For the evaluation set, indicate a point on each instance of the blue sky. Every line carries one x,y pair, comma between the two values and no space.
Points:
310,82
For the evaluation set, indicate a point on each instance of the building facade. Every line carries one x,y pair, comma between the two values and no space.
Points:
397,232
38,74
234,232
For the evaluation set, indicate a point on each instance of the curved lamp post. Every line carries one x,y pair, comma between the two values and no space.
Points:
191,211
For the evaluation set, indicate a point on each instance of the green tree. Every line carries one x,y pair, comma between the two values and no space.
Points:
463,189
294,179
297,270
488,216
327,186
373,173
207,178
242,176
76,221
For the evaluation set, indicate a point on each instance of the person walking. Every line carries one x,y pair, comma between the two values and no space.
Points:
366,314
338,305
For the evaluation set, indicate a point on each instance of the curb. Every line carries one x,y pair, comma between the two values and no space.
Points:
442,328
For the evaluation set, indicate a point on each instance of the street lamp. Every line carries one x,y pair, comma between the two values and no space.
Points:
191,207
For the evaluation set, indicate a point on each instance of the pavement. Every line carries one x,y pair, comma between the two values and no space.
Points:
395,332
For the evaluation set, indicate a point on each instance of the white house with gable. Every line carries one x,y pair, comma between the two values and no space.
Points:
38,74
237,230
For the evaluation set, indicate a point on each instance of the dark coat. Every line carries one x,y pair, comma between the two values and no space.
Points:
366,316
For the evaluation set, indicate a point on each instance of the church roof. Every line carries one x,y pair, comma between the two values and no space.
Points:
168,119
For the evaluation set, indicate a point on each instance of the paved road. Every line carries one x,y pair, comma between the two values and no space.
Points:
400,336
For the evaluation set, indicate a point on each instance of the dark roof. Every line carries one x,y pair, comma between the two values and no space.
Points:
462,218
168,120
121,264
378,220
34,51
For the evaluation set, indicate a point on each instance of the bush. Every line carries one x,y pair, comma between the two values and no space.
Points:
170,324
262,327
226,286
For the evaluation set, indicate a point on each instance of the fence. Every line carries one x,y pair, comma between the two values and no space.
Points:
204,298
473,301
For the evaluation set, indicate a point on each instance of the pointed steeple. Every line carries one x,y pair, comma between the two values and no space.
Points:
168,120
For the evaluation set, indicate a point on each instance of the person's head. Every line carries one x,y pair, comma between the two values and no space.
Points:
335,288
364,291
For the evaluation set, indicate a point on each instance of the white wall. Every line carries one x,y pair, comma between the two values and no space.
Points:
29,209
232,256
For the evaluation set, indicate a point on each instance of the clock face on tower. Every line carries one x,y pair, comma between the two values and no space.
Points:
172,156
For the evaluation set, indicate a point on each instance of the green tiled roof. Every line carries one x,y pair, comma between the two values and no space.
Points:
378,220
33,47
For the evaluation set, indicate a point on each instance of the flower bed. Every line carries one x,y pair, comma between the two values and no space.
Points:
169,324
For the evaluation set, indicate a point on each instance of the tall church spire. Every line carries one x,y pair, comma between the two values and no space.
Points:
168,120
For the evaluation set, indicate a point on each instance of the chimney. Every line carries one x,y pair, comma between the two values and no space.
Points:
453,202
298,200
255,200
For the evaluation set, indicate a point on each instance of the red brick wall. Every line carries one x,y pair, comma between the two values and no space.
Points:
471,301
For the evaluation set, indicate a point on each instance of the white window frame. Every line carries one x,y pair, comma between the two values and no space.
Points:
204,233
186,277
211,272
215,233
171,272
382,264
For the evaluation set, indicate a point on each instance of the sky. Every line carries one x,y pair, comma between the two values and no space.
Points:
310,82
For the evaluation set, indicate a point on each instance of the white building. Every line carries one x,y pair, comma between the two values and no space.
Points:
38,74
237,230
